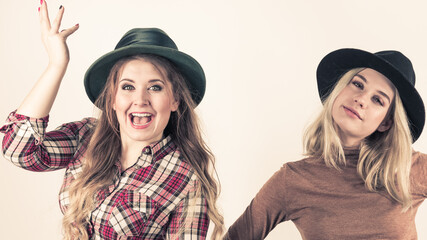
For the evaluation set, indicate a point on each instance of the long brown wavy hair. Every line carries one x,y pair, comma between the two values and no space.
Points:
104,150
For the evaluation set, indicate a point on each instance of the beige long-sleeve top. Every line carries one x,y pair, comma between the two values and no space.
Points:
325,203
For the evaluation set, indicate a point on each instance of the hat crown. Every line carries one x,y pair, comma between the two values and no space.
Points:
146,37
400,62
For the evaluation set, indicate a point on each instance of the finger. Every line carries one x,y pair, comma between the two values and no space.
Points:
44,16
58,19
67,32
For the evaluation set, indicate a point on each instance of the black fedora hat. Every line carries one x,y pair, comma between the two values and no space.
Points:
150,41
392,64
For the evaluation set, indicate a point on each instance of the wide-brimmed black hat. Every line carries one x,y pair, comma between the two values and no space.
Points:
150,41
392,64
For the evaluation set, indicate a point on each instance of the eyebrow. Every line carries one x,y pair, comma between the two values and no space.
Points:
149,81
380,92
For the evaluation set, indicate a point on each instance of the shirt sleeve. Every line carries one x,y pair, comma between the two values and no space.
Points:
190,220
264,212
27,145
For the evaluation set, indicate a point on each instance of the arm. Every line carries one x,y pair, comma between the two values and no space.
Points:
39,101
27,145
265,211
190,219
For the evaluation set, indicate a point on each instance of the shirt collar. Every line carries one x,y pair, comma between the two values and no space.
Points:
352,156
156,151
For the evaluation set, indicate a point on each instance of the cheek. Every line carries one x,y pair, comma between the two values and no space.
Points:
164,104
120,102
335,106
379,115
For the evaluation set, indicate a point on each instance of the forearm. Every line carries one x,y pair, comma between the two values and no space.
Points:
252,224
264,212
40,99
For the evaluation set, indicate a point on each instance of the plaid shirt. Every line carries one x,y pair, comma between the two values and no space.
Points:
146,201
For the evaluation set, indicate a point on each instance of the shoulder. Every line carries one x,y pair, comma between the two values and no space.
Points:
88,121
419,160
85,125
292,172
303,165
286,181
419,155
419,173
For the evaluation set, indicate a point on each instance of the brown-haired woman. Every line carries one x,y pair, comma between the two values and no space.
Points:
139,171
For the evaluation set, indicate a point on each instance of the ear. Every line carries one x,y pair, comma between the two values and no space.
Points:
385,125
114,106
174,105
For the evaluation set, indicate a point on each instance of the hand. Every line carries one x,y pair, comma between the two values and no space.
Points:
53,40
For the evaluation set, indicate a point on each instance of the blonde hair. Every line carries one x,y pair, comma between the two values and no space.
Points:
105,148
384,158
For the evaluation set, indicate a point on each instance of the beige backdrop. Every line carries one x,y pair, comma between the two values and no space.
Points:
260,58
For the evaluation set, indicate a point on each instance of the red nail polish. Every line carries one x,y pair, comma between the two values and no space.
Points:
41,1
39,9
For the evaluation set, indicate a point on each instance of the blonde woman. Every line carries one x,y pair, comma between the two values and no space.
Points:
361,178
139,171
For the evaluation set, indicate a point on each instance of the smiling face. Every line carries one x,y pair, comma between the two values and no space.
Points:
361,107
143,103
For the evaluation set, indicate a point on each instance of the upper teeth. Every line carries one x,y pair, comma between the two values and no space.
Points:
141,114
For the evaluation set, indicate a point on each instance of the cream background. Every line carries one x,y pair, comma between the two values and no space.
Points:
260,58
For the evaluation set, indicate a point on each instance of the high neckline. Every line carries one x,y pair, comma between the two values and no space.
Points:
351,155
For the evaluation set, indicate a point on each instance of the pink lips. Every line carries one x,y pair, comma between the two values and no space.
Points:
352,112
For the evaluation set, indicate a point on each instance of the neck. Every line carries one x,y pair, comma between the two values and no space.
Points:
351,146
349,142
130,154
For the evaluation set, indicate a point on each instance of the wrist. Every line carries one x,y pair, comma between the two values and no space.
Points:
58,65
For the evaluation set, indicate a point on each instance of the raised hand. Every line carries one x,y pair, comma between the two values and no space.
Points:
41,97
53,39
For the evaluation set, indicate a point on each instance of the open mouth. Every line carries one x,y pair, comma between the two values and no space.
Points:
140,119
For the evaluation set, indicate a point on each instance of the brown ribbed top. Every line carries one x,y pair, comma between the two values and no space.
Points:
325,203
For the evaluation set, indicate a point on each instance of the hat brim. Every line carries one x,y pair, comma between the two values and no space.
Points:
338,62
97,74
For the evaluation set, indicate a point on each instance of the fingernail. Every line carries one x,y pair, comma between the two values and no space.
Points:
60,7
41,1
39,9
77,25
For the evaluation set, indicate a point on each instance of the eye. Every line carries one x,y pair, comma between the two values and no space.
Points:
357,84
128,87
378,100
156,88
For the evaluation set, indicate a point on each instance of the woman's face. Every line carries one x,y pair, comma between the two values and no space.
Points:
143,103
361,107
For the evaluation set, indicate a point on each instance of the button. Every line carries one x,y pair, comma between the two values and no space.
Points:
147,150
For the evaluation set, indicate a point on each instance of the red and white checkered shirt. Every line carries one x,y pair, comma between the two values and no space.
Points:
146,201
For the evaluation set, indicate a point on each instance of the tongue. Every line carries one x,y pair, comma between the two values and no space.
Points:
141,120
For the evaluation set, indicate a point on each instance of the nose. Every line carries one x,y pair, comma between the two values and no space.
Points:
360,100
142,98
